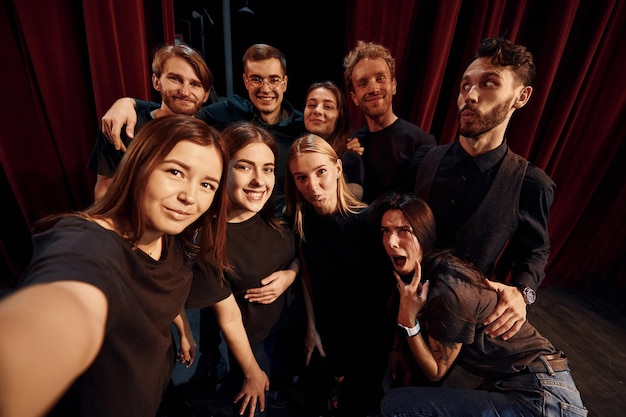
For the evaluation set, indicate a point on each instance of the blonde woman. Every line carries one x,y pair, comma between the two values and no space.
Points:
345,304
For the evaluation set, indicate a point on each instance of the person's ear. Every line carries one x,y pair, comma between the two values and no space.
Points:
523,97
155,82
339,168
354,98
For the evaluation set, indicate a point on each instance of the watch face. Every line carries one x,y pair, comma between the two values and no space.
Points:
529,295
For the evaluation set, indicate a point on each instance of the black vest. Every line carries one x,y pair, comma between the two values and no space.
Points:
483,237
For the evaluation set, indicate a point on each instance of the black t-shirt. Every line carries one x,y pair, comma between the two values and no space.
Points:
387,157
255,250
135,362
353,168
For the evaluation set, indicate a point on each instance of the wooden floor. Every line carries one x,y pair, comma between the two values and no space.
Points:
591,330
589,327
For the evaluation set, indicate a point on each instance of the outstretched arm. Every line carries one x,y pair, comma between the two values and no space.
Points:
51,333
256,381
121,113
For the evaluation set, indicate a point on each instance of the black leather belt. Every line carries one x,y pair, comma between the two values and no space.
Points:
549,364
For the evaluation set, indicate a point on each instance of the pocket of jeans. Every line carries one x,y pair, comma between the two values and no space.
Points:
569,410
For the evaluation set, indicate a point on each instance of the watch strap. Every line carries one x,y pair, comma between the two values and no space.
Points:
529,295
411,331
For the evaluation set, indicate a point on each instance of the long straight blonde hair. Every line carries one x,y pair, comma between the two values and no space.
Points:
295,203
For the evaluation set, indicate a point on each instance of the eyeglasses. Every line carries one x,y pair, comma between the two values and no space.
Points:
272,82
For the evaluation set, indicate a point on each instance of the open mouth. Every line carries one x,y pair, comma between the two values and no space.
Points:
399,261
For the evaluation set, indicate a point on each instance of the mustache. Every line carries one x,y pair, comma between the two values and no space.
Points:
473,109
470,108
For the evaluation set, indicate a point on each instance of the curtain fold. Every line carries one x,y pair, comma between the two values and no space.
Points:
47,78
436,52
117,43
573,127
64,65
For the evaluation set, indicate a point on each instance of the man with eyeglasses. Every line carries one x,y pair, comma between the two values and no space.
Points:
265,78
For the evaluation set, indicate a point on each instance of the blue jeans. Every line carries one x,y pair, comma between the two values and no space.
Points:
525,395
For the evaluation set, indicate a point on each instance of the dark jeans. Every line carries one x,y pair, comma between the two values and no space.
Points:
528,395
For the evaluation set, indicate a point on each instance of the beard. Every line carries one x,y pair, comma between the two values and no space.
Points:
483,122
377,110
177,107
373,113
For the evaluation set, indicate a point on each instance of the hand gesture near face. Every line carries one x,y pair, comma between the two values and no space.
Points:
412,297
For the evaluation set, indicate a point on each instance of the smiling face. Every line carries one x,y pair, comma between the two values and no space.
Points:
267,99
181,90
374,87
315,176
400,242
181,188
321,112
251,179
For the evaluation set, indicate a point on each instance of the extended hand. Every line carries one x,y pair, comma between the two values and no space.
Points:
253,393
187,351
510,313
273,286
355,146
121,113
412,296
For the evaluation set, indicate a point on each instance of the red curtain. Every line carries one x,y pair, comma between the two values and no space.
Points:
65,63
574,126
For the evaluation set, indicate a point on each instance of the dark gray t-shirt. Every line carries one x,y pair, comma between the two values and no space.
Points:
450,301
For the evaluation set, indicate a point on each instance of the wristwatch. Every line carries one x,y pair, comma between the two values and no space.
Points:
411,331
530,296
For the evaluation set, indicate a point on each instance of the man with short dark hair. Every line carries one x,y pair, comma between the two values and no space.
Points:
265,78
489,202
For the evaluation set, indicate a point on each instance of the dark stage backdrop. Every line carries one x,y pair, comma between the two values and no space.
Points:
64,62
